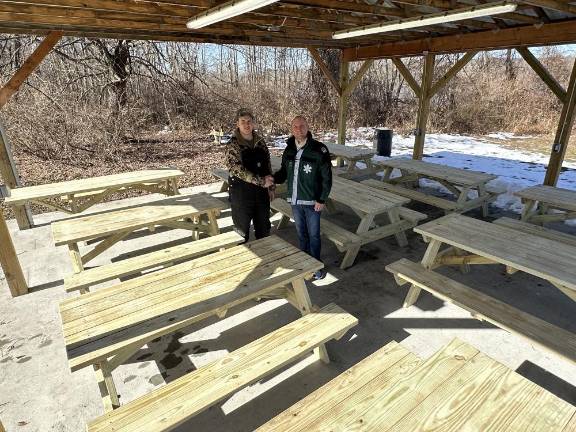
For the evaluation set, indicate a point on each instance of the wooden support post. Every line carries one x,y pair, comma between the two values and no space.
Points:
9,174
343,101
543,73
562,133
423,105
9,261
29,65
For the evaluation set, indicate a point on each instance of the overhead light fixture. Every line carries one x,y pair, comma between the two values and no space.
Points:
225,11
431,19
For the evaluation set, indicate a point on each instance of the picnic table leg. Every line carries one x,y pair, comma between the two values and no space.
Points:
428,262
214,229
351,166
174,184
482,193
387,173
305,305
77,265
527,210
106,386
394,217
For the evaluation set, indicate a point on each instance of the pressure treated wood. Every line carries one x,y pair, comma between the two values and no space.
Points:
458,181
547,204
29,66
165,408
72,187
9,261
531,253
486,308
151,302
537,230
457,389
163,257
367,203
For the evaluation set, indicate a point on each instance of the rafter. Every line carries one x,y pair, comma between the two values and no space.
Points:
547,34
324,68
543,73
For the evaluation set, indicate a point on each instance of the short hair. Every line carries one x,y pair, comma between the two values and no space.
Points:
299,117
244,112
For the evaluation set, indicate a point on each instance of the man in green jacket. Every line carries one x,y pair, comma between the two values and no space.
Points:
307,168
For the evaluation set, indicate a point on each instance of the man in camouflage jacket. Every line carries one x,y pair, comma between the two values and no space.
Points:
250,176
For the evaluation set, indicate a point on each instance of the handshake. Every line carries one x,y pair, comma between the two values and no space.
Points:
268,181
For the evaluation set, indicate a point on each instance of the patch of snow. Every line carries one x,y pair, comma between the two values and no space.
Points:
507,136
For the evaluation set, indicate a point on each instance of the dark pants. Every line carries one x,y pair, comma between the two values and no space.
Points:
307,222
250,204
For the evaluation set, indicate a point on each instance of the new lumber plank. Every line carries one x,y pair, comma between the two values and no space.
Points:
542,333
554,196
126,311
150,260
389,364
174,403
28,193
530,228
533,254
381,403
413,194
131,218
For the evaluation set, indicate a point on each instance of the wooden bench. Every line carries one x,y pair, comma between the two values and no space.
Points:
344,240
174,403
84,280
486,308
530,228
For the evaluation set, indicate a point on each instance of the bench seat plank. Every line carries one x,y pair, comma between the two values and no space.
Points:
150,260
172,404
555,339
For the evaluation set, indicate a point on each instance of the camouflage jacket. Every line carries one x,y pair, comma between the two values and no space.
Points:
248,161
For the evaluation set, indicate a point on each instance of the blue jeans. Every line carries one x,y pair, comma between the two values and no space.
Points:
307,222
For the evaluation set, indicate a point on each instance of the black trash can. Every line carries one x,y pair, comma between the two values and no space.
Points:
383,137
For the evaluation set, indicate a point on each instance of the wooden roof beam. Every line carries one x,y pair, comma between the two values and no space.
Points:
553,4
458,66
408,77
546,34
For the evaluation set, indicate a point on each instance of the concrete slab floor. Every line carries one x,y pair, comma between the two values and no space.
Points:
39,393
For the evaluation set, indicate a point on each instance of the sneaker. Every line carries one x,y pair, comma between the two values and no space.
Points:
320,274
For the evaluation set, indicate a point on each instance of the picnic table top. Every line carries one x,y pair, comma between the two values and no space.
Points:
349,151
364,198
457,389
23,194
542,257
106,223
555,196
457,176
133,308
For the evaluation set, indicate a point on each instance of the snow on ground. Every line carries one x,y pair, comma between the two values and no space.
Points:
515,169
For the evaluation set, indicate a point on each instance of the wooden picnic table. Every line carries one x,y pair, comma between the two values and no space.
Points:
367,203
352,155
112,226
547,204
457,389
472,241
458,181
75,196
106,327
